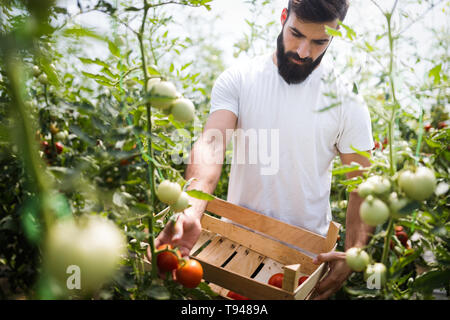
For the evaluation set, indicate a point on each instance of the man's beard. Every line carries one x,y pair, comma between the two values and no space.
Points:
291,72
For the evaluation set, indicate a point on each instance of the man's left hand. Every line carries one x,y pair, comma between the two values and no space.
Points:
338,273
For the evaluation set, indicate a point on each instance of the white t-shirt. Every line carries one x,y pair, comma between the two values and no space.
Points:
284,146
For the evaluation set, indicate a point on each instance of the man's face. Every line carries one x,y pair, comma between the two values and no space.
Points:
300,47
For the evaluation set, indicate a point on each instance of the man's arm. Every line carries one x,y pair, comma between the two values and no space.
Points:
357,232
205,166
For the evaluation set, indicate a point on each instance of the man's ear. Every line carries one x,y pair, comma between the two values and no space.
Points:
284,16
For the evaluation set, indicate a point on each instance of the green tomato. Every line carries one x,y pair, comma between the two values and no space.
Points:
380,184
62,135
168,192
163,94
373,211
93,244
418,185
151,82
183,110
36,71
365,189
396,204
182,202
377,273
43,79
357,259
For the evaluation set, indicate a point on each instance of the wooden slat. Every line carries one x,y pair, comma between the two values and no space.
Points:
236,282
269,269
332,235
306,287
245,261
257,242
218,251
290,277
205,235
285,232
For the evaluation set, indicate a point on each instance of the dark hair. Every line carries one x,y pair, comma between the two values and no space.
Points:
318,10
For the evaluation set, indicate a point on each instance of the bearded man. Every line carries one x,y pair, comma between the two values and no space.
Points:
284,95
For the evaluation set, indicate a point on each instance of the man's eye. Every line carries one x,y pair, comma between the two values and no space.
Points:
297,35
320,43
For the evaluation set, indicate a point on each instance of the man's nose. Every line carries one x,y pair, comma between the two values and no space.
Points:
303,49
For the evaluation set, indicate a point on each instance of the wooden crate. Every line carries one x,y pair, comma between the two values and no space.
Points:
237,259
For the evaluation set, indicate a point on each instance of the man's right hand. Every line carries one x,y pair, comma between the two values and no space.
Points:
183,234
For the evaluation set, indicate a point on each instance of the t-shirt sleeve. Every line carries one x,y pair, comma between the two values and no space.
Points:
225,92
356,126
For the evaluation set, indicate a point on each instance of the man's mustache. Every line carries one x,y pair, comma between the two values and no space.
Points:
296,57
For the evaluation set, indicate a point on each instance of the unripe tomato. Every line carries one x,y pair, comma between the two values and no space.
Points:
190,274
236,296
418,185
380,184
62,135
43,78
182,202
396,204
53,128
167,261
93,243
276,280
357,259
365,189
163,94
183,110
168,192
377,269
151,82
373,211
36,71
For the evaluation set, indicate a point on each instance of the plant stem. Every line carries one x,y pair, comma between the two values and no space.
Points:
391,128
151,168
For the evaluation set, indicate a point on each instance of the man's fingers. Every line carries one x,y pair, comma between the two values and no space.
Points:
329,256
324,295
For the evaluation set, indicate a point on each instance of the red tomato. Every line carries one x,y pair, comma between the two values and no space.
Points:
302,279
276,280
166,261
377,145
236,296
398,228
190,274
427,127
441,125
402,237
59,147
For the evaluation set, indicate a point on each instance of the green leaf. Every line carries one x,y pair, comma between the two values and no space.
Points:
361,153
114,49
200,195
352,181
435,73
346,169
432,280
333,32
82,32
96,61
158,292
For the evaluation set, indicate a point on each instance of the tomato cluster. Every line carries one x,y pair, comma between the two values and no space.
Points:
188,273
171,194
